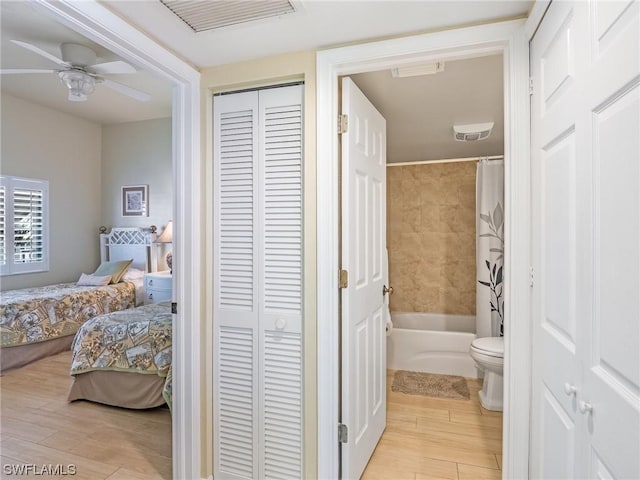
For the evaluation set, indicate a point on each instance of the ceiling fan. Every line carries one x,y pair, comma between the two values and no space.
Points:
80,72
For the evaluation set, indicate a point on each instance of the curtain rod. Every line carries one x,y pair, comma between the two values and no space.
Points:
445,160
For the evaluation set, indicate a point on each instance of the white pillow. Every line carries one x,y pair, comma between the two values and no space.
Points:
94,280
132,274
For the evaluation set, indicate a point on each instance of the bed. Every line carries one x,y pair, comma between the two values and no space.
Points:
41,321
123,358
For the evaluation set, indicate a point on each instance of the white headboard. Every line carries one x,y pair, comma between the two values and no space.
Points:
123,243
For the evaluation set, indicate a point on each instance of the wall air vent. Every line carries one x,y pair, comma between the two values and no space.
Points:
473,132
203,15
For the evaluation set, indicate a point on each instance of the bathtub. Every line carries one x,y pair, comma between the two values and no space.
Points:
432,342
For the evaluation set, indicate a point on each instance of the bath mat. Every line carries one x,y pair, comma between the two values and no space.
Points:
430,385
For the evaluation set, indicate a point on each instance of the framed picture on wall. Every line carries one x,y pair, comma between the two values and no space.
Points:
135,201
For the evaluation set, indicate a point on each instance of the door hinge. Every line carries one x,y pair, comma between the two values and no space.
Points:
343,279
343,124
531,276
343,433
530,86
174,307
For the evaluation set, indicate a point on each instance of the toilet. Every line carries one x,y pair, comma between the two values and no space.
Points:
488,353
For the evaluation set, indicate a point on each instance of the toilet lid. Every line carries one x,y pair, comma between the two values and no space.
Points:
493,346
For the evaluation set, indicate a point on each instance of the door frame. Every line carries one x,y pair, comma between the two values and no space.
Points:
511,39
95,21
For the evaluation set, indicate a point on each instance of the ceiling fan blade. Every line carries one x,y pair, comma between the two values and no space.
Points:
125,90
41,52
25,70
112,68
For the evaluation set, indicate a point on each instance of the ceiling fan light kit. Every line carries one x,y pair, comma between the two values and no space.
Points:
79,83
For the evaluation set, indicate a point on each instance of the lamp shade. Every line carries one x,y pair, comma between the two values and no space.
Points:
167,237
167,234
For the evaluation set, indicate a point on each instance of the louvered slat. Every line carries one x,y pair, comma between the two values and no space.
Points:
236,211
283,208
282,373
235,401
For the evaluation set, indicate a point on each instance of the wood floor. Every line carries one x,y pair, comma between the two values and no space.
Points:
426,438
434,438
38,426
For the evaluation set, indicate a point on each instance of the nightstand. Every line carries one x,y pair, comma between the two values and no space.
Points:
157,287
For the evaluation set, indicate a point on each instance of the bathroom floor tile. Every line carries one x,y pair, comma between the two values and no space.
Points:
429,438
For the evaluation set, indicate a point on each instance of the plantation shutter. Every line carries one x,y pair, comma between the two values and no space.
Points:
28,224
23,225
3,222
258,284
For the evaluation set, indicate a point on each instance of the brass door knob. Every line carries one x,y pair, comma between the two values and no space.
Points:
386,290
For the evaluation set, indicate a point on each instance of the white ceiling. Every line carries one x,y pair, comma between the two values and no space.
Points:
317,24
20,21
421,111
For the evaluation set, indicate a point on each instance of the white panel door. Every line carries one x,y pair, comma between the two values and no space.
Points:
556,292
586,219
612,364
363,246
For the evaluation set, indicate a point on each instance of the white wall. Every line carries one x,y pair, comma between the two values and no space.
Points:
38,142
137,153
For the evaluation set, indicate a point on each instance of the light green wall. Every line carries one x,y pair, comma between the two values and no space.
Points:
38,142
137,153
86,165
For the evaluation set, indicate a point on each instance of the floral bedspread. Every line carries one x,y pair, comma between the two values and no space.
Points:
135,340
166,391
32,315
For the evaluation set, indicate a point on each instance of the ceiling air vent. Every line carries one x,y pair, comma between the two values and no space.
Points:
203,15
472,133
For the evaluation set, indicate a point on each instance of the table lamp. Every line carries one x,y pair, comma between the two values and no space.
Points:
167,237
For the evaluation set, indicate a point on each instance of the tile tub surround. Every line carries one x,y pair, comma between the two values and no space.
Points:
431,232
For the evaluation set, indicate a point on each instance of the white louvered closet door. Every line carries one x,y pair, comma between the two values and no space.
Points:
235,251
258,284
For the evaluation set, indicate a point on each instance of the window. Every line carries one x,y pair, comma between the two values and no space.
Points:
24,229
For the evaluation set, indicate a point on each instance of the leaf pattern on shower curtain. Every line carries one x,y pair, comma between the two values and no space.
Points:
495,222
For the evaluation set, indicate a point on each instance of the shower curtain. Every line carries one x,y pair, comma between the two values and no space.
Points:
490,248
